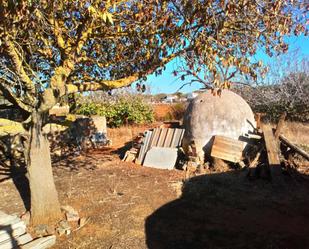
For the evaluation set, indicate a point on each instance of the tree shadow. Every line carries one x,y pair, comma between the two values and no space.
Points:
13,242
227,210
120,152
18,176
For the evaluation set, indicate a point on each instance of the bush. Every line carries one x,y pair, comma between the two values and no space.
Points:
119,111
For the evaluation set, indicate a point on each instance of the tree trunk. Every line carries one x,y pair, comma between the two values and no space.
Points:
45,207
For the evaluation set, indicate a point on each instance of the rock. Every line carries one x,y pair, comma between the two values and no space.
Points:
64,224
70,213
68,209
177,187
72,216
41,230
64,228
60,231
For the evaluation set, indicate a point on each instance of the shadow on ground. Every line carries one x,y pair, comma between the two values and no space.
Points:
228,211
18,176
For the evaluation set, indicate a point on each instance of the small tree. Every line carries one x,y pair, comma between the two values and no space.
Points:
52,48
286,89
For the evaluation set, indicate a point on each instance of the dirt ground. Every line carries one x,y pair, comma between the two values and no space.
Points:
130,206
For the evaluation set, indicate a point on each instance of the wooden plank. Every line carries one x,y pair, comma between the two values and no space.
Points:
271,149
227,149
294,147
258,117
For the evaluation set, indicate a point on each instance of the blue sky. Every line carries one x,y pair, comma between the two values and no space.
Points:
167,83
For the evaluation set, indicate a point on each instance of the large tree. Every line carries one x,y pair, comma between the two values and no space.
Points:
52,48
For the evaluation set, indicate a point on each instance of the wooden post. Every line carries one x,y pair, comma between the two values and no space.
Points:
294,147
280,125
258,116
272,150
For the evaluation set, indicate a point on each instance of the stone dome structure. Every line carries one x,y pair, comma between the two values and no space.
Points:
208,115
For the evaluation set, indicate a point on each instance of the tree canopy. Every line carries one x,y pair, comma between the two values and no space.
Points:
50,48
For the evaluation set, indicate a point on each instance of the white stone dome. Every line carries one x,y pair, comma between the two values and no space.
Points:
208,115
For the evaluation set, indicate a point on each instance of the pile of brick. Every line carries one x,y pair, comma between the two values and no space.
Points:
13,234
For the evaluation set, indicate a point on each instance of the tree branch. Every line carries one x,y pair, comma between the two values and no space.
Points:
17,62
10,96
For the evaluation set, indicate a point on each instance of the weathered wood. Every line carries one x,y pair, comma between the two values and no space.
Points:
41,243
298,150
15,241
271,149
254,136
8,232
258,117
227,149
162,137
280,125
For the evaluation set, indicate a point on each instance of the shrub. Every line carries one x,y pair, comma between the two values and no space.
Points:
120,111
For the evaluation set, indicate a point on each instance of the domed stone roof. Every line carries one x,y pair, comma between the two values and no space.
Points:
208,115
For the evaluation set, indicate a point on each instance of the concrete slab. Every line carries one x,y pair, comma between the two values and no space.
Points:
161,158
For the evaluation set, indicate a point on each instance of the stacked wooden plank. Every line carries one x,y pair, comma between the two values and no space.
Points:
227,149
13,235
160,137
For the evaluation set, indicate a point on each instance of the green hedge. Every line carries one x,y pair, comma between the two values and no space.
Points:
124,110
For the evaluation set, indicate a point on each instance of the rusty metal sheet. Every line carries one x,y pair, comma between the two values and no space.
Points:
227,149
144,147
181,137
162,137
177,138
155,137
169,137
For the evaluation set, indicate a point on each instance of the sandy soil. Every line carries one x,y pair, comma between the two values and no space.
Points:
130,206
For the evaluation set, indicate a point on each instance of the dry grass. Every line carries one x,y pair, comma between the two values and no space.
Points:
122,135
298,133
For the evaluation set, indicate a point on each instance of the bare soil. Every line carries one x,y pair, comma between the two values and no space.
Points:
130,206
